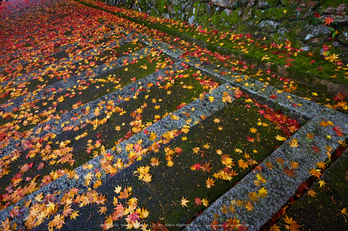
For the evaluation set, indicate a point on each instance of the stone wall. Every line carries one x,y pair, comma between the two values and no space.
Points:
301,21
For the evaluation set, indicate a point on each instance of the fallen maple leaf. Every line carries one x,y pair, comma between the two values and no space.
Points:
198,201
289,172
294,143
242,164
280,138
311,193
210,182
124,194
184,202
214,225
158,227
328,21
339,96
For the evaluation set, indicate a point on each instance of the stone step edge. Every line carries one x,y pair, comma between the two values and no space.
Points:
63,184
69,119
279,185
291,105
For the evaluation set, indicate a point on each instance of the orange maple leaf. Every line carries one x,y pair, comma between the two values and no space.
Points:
124,194
328,21
214,225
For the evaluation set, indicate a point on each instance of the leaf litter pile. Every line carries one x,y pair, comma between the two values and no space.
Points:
169,182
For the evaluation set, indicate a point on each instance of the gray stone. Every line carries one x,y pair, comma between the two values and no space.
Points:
190,20
343,36
283,30
262,4
341,9
305,48
329,10
222,3
315,34
269,26
184,5
176,2
251,3
228,11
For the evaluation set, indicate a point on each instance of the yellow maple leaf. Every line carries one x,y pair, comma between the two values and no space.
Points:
209,182
315,172
321,183
294,143
184,202
280,138
74,215
205,202
118,189
96,111
50,206
153,136
253,130
321,165
294,165
58,221
262,192
242,164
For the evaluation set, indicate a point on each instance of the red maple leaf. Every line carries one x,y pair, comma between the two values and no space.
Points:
315,149
134,217
178,150
197,166
328,21
338,130
198,201
339,96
